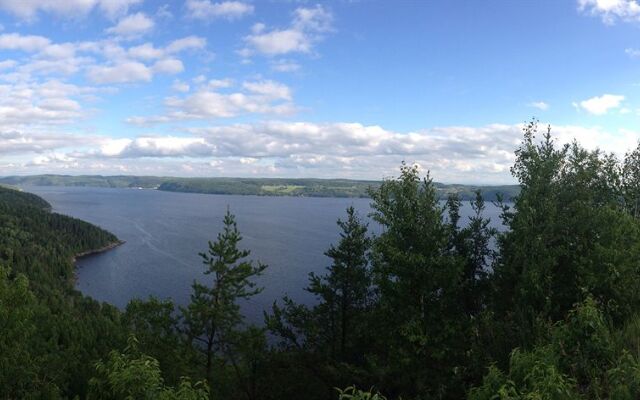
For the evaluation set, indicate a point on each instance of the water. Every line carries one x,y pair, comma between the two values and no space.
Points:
165,231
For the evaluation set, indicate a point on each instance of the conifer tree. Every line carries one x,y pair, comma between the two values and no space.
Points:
345,291
214,312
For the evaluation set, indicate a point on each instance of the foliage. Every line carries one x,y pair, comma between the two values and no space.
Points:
352,393
132,375
214,313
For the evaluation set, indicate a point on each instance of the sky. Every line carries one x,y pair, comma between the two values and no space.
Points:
331,89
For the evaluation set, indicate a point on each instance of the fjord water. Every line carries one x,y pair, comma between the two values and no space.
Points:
165,231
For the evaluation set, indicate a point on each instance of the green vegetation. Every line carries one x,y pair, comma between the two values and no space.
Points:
433,307
250,186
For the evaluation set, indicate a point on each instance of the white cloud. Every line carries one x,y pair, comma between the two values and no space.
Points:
453,153
180,86
540,105
153,147
256,97
132,25
168,66
28,43
611,10
279,42
315,19
307,28
269,89
28,9
631,52
600,105
113,8
186,43
7,64
125,72
220,83
205,9
145,51
277,148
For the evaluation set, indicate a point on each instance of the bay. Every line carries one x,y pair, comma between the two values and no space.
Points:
165,231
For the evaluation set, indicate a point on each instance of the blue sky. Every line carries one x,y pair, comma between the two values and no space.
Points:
303,89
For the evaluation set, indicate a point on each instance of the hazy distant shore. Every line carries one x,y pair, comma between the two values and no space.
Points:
306,187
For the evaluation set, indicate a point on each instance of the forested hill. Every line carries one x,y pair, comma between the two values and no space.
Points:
41,244
251,186
9,196
50,335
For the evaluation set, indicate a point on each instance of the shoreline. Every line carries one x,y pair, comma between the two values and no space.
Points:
92,252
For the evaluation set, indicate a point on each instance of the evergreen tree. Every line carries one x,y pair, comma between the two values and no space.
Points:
420,320
345,290
214,312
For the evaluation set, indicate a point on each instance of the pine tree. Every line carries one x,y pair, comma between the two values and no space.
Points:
214,312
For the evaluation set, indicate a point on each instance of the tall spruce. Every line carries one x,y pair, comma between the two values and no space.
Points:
214,312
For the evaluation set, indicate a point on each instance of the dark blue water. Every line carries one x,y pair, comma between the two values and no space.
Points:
164,232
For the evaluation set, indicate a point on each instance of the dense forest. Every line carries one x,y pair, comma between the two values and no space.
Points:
250,186
434,307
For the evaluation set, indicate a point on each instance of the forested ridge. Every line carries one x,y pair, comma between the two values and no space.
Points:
249,186
433,307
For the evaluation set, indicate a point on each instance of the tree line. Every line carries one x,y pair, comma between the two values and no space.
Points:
433,307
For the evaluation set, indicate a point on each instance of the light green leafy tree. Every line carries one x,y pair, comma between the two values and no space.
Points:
135,376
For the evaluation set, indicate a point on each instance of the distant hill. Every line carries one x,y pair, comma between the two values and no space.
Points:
248,186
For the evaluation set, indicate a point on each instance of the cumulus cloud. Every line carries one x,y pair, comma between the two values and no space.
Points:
124,72
186,43
28,9
205,9
168,66
180,86
145,51
132,25
37,105
453,153
99,60
611,10
13,142
277,148
540,105
167,146
28,43
306,29
207,102
600,105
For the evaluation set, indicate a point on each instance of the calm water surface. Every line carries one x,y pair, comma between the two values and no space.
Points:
165,231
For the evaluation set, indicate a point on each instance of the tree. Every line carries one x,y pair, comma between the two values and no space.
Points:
333,333
20,374
345,291
472,243
568,236
421,322
214,311
133,375
155,325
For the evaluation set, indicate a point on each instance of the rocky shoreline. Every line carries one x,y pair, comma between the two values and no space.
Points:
97,251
